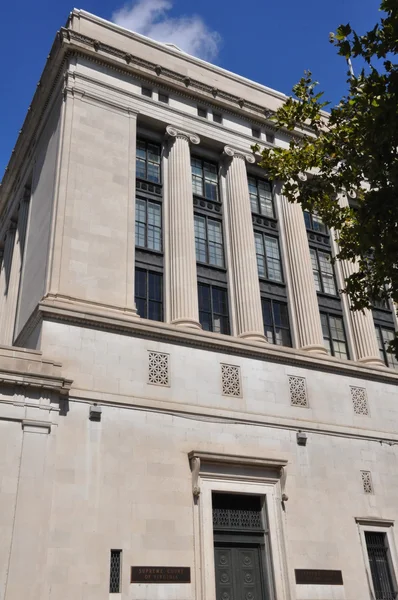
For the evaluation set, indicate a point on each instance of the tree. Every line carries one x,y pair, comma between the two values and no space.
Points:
352,151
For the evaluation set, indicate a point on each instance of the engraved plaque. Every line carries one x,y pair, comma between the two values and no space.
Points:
318,577
160,575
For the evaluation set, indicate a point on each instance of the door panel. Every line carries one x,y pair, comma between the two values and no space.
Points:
239,572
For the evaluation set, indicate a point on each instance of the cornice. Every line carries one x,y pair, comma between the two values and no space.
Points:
77,312
69,43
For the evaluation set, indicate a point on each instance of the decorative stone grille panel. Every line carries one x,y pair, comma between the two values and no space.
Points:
298,391
367,482
359,401
158,372
230,376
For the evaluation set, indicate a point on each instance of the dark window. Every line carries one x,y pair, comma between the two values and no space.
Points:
163,98
114,572
261,200
146,92
380,565
149,294
256,132
148,224
270,138
384,337
323,272
276,322
213,308
209,241
204,179
314,223
334,335
217,117
241,547
202,112
148,161
268,257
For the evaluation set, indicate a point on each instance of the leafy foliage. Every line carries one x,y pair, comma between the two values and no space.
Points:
353,151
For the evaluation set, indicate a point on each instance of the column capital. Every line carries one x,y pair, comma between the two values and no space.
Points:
234,152
186,135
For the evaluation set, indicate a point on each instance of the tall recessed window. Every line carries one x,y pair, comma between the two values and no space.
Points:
334,335
268,257
323,272
384,337
241,547
148,224
261,200
213,308
313,222
149,294
209,241
380,563
148,161
276,322
204,179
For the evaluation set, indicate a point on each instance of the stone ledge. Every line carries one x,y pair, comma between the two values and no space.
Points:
28,368
80,313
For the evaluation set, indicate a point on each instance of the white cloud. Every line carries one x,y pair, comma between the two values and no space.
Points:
150,18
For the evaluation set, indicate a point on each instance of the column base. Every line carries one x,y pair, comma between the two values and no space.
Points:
315,349
372,360
253,336
190,323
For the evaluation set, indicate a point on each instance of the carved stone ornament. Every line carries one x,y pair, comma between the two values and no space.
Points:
190,137
302,176
351,194
195,468
232,152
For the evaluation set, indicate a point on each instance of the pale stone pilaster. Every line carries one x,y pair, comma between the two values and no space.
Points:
243,264
184,310
15,272
31,519
304,297
6,282
366,346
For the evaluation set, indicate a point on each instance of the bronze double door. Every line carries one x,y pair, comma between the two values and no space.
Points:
239,569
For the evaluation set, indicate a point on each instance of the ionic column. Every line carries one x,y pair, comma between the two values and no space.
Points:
304,297
243,263
365,340
184,310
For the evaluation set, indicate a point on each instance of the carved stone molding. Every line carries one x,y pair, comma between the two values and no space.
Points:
185,135
235,153
198,460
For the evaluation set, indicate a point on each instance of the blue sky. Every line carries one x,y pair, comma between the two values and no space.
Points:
271,42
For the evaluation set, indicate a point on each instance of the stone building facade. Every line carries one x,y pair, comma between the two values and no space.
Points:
188,408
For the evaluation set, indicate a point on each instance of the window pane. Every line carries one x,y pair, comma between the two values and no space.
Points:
140,283
153,172
211,191
265,196
216,254
154,226
200,239
307,220
204,297
267,311
273,259
140,168
317,223
155,291
327,273
141,149
317,277
154,153
336,328
388,336
258,238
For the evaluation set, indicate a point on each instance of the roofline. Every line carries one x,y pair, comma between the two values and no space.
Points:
193,59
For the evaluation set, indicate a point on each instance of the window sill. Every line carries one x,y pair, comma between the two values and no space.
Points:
144,249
